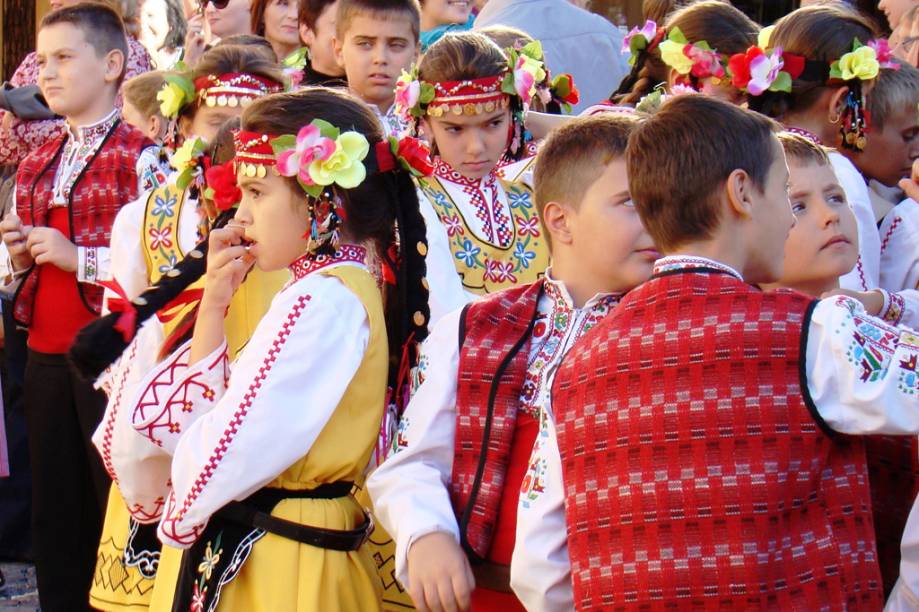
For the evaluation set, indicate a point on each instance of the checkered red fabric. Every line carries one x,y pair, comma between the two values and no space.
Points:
492,369
108,182
695,474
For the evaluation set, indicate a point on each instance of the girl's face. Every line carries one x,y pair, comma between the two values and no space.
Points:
281,26
471,144
441,12
207,121
232,19
275,217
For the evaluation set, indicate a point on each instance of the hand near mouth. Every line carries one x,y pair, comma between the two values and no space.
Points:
228,262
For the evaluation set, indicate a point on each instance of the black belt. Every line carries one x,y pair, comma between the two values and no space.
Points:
255,511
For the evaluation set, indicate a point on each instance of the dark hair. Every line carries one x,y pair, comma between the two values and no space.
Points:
459,56
311,10
658,10
384,203
820,33
178,27
378,9
505,36
726,30
680,158
100,24
140,91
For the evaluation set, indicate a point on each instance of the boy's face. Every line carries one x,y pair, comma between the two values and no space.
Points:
890,152
606,233
772,220
321,41
373,52
70,73
823,245
234,18
471,144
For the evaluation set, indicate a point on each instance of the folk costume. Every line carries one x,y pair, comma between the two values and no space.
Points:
481,463
75,183
705,427
149,237
295,542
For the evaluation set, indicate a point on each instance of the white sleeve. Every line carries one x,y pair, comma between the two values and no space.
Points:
905,595
93,264
409,490
446,292
900,247
861,372
150,174
127,265
866,274
314,334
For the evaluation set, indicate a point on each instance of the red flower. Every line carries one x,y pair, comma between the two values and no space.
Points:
566,90
416,154
739,65
221,180
793,64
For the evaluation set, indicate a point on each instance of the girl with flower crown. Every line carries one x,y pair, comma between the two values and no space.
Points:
280,530
149,236
469,98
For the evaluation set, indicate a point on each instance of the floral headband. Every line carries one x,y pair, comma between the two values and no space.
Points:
294,66
232,89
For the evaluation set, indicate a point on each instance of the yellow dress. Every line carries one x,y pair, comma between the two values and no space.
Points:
116,585
282,575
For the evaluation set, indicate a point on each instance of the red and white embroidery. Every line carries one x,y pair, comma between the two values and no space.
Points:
310,263
483,195
113,413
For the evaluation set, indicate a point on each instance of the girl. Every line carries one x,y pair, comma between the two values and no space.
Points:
149,237
482,227
326,328
162,31
716,31
441,16
277,21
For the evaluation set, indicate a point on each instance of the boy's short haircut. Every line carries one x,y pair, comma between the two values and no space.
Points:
100,24
574,156
803,150
310,10
893,90
380,9
680,158
140,91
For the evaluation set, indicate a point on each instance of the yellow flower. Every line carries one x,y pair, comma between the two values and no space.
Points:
765,35
171,98
344,167
673,56
211,560
185,155
859,64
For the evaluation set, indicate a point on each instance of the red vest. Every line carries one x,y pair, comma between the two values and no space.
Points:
495,335
698,473
108,182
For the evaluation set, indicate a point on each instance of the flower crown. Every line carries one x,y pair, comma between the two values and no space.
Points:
294,66
188,161
646,39
232,89
696,59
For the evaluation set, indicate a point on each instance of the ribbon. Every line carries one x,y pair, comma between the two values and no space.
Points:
127,322
386,161
177,306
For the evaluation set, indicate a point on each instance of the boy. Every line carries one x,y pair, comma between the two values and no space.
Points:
375,40
317,31
697,424
67,195
498,357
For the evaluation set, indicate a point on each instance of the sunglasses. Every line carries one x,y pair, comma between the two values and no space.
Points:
218,4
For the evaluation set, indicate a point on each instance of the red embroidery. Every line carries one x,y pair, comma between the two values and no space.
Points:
110,422
310,263
893,226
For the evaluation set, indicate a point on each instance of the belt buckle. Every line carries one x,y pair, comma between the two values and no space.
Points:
369,527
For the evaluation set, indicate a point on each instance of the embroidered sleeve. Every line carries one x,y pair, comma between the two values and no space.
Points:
150,174
900,247
284,387
861,373
93,264
424,452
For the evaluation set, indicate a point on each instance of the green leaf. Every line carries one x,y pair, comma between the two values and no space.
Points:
561,86
703,45
297,59
283,143
835,72
677,36
782,82
312,190
326,129
188,88
184,178
507,85
637,43
856,44
533,49
427,93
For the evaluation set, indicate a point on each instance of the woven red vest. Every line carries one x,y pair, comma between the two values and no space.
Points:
108,182
492,368
697,472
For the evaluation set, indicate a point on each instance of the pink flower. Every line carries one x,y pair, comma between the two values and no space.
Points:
885,56
705,63
530,226
295,75
408,91
764,69
311,146
524,78
499,271
648,31
453,225
198,598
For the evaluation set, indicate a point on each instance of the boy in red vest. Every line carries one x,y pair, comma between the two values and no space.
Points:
67,195
701,424
473,496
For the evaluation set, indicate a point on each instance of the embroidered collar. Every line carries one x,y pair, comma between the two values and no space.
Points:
309,263
557,290
89,134
445,171
805,133
673,263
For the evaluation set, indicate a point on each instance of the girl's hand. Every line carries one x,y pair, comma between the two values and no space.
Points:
439,575
228,262
910,186
873,301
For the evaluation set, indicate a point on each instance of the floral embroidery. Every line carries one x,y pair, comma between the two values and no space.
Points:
160,237
205,570
528,227
453,225
687,262
164,206
401,438
469,253
310,263
211,559
523,256
499,271
171,261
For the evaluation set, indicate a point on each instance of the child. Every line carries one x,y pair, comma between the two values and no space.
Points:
375,41
665,62
821,247
439,17
830,110
317,31
481,221
141,108
326,326
149,237
432,494
67,195
714,475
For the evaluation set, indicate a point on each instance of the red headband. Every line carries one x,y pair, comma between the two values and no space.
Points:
234,89
470,97
254,154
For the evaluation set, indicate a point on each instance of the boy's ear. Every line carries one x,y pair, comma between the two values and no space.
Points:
114,65
672,76
836,104
556,218
307,37
156,125
184,127
739,188
339,58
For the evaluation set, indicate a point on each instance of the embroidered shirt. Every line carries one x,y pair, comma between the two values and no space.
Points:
394,124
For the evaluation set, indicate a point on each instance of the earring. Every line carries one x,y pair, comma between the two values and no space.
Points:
326,214
854,119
